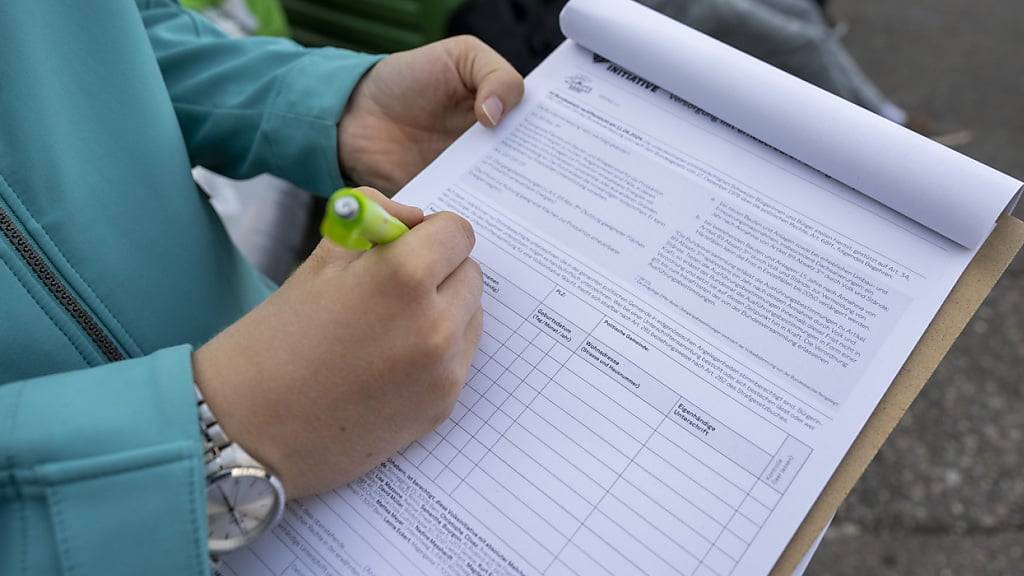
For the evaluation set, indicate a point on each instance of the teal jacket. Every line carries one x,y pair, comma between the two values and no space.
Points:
113,265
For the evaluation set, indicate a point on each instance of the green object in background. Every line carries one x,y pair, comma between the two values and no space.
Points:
355,222
267,15
370,25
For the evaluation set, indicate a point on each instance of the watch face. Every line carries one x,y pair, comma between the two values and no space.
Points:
242,503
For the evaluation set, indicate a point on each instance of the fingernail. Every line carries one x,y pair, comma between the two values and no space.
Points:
493,109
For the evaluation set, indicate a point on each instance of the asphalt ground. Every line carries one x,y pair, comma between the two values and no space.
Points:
945,496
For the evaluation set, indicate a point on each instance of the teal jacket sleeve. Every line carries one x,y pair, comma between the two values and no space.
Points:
253,105
101,471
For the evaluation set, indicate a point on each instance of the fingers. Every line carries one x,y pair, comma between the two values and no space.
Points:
497,85
461,291
431,251
409,215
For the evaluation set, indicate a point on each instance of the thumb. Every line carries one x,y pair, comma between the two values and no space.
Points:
496,85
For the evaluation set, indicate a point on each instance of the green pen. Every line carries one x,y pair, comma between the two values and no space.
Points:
356,222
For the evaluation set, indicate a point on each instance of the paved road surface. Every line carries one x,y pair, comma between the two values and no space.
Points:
946,493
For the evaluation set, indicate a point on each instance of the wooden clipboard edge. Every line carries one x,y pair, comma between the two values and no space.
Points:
964,300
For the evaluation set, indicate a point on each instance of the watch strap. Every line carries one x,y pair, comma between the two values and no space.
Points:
219,452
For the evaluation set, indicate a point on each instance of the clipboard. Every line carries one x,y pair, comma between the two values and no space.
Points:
963,301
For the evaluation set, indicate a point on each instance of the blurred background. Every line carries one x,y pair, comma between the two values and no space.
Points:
945,496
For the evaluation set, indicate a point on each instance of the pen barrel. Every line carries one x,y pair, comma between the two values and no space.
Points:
379,226
356,222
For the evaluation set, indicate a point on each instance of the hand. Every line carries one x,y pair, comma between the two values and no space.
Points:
353,358
412,105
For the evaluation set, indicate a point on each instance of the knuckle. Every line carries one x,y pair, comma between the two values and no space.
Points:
476,274
443,411
472,281
475,269
445,388
462,227
432,350
518,88
477,325
451,385
439,341
408,276
468,41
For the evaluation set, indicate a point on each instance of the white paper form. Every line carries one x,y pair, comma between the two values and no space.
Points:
685,330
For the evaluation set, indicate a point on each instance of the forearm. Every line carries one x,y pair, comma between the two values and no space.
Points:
253,105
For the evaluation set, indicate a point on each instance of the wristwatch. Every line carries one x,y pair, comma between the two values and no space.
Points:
243,498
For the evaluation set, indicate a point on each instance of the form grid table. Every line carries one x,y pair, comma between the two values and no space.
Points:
578,481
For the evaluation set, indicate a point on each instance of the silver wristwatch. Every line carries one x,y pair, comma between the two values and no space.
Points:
243,499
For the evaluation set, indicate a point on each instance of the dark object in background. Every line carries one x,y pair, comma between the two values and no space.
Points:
375,26
523,31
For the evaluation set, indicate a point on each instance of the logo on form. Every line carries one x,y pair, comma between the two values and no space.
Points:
579,83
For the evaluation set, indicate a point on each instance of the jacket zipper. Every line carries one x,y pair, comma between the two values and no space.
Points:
64,297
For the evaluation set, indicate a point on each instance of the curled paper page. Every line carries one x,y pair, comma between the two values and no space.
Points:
931,184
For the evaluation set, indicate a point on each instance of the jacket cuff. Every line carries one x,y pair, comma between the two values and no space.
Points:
303,122
115,453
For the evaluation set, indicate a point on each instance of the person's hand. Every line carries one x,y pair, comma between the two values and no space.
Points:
353,358
412,105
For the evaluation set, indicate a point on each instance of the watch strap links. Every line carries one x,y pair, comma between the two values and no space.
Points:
219,452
